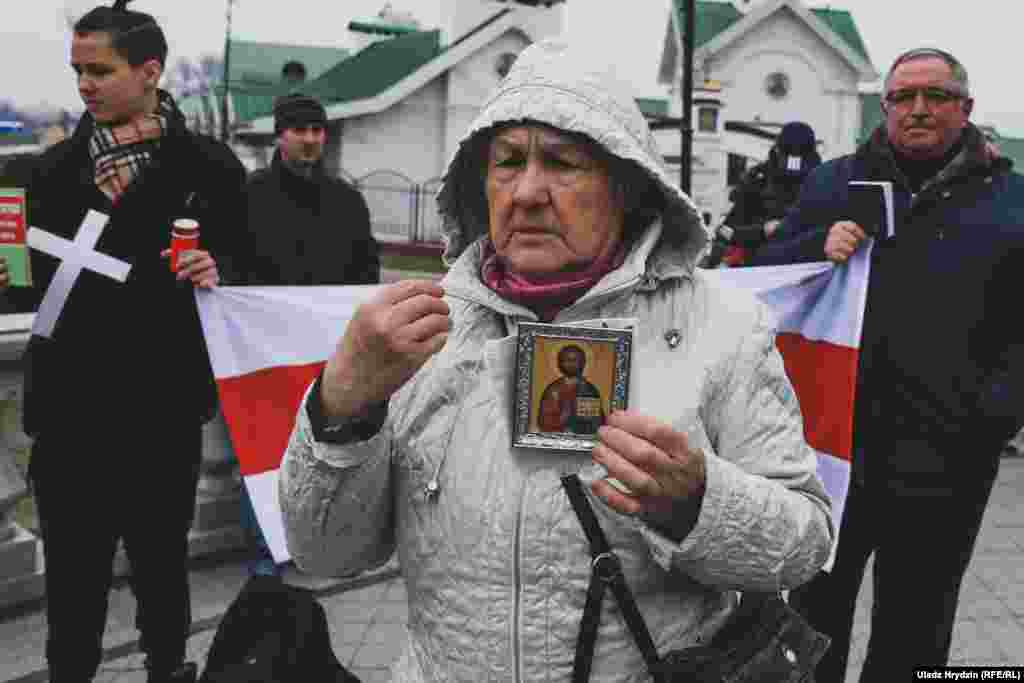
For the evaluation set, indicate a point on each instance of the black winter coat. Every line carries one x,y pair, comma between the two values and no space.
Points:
133,350
307,231
940,384
273,632
762,195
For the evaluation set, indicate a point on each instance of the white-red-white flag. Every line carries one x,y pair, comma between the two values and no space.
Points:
268,344
820,317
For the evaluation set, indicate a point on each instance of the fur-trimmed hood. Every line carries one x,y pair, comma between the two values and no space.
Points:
553,84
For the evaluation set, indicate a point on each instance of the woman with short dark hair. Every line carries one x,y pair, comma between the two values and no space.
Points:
116,393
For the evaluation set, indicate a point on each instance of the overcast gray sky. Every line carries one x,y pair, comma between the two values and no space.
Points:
984,35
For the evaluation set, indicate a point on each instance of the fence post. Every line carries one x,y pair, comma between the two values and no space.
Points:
415,224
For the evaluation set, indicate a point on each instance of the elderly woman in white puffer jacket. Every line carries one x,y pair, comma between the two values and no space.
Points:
557,208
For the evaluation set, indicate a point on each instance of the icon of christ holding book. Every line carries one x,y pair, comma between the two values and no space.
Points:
571,403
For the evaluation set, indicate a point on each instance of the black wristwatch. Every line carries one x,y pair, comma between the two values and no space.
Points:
361,428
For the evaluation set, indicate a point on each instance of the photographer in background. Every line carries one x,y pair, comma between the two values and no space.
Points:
763,197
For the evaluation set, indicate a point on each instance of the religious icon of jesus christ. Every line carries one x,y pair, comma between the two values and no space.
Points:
571,403
568,380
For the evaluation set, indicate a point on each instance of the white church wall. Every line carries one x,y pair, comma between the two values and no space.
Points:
470,83
847,124
710,162
707,180
545,22
401,148
408,137
462,16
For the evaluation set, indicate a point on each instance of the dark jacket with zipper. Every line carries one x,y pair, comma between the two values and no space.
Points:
132,350
765,194
940,383
307,231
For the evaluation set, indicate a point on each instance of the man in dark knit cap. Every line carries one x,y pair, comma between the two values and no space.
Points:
305,228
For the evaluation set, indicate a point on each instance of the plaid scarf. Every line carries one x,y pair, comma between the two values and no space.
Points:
120,152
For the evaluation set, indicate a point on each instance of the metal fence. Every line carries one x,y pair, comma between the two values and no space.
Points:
400,208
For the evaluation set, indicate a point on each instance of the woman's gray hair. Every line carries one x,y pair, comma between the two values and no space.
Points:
958,70
643,200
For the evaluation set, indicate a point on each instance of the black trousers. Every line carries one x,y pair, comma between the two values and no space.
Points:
922,546
93,488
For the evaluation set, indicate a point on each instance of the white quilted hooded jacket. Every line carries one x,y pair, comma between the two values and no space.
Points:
496,565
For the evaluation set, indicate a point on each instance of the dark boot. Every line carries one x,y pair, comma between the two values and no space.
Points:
186,673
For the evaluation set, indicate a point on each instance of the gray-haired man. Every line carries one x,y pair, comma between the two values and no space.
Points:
940,379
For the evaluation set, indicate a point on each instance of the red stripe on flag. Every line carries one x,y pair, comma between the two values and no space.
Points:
259,409
824,376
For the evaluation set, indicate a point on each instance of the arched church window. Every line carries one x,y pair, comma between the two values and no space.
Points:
293,72
737,166
707,119
504,63
777,85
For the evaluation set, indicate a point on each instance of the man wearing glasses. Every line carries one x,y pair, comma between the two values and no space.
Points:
939,386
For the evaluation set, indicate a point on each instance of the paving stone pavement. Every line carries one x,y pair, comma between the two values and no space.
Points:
367,615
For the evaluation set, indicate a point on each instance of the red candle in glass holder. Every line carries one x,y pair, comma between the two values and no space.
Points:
184,237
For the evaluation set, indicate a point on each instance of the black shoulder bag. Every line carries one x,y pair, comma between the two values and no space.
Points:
765,640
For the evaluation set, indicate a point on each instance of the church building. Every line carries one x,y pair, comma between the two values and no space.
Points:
760,64
399,96
398,105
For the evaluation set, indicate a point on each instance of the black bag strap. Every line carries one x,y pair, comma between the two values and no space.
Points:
606,572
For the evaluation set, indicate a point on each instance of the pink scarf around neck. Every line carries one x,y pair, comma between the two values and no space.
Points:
545,298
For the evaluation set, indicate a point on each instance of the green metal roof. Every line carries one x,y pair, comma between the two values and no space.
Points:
261,63
842,24
369,72
256,74
376,68
1012,148
870,115
193,104
715,17
652,106
248,102
251,103
380,29
712,18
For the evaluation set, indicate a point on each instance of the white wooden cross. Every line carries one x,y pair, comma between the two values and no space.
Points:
74,256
